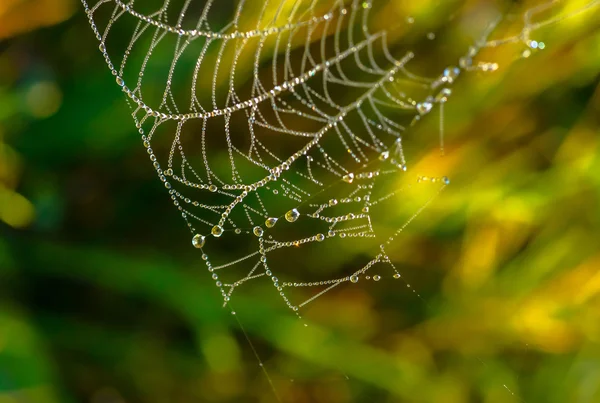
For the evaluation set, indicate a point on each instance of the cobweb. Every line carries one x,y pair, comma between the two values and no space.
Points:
264,149
243,110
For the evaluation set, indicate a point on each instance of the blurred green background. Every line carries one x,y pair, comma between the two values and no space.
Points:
102,300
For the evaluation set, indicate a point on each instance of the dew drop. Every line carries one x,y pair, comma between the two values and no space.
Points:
450,73
320,237
198,241
258,231
397,276
384,155
376,277
292,215
217,231
354,279
465,62
424,107
349,178
270,222
443,95
212,188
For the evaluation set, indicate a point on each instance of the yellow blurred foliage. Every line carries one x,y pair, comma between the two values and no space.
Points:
20,16
15,210
43,99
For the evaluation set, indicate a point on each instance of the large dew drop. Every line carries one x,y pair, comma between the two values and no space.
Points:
270,222
217,231
349,178
292,215
198,241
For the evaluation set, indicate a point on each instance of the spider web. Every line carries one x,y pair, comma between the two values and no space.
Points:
263,85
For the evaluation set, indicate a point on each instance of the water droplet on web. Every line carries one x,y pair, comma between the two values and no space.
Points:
397,276
270,222
424,107
198,241
217,231
292,215
258,231
348,178
376,277
320,237
384,155
443,95
354,279
450,73
212,188
465,62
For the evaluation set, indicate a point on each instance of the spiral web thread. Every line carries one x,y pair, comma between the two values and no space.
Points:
301,143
